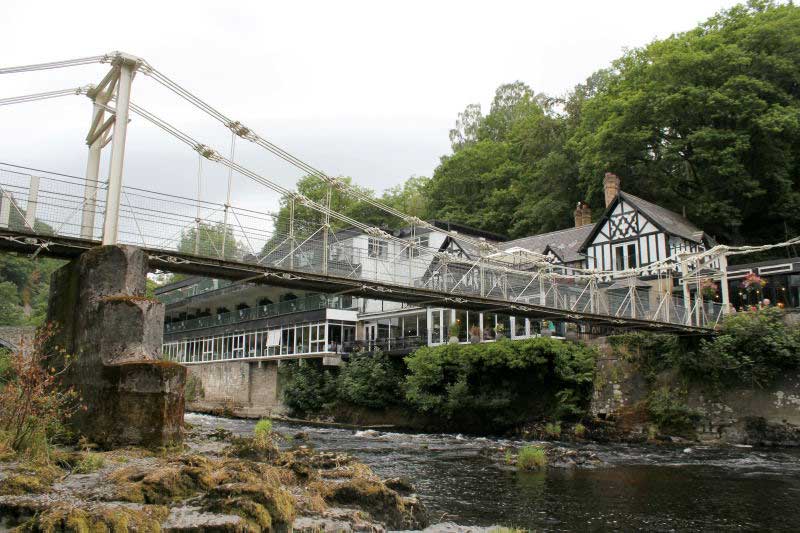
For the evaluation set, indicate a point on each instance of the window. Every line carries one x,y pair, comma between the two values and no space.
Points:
208,349
626,255
417,244
377,248
342,252
317,337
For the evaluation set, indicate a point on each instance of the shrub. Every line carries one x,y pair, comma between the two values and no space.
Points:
667,408
553,429
6,370
371,381
579,430
493,383
33,407
651,352
307,387
752,349
531,458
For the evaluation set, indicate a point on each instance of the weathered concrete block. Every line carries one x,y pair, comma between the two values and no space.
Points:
115,335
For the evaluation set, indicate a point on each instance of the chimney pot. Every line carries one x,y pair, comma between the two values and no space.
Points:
582,214
610,187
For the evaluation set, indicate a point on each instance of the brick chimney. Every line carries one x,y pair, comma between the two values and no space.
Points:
582,214
610,187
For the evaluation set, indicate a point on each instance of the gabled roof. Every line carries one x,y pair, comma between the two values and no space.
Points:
563,243
667,221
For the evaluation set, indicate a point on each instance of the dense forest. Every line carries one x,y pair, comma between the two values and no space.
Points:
706,122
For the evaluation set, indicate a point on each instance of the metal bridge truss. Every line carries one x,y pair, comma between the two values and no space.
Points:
45,213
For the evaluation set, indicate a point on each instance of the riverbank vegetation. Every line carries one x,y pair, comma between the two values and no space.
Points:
478,387
751,350
34,407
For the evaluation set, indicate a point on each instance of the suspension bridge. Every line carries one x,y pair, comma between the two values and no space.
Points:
60,215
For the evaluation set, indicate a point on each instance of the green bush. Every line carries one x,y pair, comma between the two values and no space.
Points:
263,427
6,367
307,387
667,408
751,349
493,383
553,429
371,381
651,352
531,458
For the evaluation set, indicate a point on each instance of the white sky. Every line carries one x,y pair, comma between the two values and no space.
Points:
365,89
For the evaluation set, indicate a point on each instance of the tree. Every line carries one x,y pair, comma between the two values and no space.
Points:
511,171
25,288
10,310
713,115
467,126
409,198
210,241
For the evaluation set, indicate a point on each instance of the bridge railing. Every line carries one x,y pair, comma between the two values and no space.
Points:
48,204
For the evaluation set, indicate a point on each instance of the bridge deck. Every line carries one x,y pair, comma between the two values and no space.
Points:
171,261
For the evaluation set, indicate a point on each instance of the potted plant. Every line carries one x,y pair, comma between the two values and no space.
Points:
753,282
708,289
453,330
499,331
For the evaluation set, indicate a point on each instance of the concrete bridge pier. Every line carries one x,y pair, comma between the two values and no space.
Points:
114,334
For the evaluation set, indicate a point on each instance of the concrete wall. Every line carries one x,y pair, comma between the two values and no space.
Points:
242,388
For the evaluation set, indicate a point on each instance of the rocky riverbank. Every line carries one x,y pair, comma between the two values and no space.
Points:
215,482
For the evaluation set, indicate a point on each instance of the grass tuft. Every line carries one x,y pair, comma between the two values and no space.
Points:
531,458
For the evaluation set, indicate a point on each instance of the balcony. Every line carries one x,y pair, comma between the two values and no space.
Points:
310,303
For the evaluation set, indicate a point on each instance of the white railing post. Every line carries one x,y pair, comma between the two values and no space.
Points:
723,284
127,66
686,296
5,209
33,202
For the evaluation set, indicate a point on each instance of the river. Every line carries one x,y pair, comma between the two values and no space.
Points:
464,481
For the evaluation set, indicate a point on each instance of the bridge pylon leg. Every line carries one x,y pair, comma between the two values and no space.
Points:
92,176
111,221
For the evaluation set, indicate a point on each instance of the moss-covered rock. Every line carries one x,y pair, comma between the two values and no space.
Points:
253,449
381,502
102,518
268,506
29,479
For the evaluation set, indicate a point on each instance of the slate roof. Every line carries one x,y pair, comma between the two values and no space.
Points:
565,243
669,221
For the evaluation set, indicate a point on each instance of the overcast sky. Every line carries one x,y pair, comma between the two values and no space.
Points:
365,89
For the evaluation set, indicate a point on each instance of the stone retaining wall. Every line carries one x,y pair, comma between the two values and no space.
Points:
12,337
240,388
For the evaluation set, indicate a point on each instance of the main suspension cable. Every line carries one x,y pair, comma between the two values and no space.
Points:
44,96
57,64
